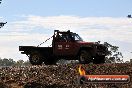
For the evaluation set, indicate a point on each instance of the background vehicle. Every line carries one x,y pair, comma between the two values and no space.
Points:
66,45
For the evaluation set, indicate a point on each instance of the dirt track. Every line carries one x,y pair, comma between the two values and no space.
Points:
60,76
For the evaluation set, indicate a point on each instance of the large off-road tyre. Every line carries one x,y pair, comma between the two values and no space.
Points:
35,58
99,59
85,57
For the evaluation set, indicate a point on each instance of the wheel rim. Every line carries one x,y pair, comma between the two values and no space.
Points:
85,57
35,58
82,57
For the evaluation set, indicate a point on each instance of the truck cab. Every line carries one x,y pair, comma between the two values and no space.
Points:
65,43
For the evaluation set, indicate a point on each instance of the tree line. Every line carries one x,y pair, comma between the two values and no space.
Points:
11,62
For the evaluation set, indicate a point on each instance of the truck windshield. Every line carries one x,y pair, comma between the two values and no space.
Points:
76,37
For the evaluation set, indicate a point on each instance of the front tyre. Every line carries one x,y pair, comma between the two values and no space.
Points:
35,59
85,57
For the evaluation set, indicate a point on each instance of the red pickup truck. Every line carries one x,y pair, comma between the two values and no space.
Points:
66,45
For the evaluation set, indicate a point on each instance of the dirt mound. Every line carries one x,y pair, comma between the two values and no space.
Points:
61,76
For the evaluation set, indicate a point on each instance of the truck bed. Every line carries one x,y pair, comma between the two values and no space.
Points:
29,49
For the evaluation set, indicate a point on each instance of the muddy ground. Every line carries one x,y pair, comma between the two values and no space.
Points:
61,76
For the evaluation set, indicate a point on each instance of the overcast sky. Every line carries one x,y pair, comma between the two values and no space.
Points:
30,22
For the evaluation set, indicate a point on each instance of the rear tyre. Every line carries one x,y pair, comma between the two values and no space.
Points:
99,60
35,59
85,57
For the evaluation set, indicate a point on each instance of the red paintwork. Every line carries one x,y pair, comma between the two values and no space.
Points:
72,49
84,43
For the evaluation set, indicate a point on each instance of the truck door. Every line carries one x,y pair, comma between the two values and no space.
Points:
64,46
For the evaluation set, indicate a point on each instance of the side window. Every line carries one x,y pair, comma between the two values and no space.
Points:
76,38
59,37
63,37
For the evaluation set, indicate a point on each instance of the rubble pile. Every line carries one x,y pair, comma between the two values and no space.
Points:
61,76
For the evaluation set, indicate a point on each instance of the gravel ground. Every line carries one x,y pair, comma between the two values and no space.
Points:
61,76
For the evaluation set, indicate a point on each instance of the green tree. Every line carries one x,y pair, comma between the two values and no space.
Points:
19,63
11,62
6,62
114,56
26,63
1,62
